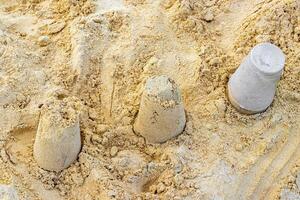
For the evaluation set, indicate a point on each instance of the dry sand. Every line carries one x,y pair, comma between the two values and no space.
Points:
100,53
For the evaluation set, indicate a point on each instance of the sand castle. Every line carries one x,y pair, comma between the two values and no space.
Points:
161,115
57,141
251,89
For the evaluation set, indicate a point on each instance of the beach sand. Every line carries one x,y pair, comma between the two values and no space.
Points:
98,54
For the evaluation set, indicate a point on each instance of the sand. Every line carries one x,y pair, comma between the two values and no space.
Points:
102,52
161,115
57,140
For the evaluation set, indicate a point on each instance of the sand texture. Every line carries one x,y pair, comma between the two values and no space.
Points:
96,56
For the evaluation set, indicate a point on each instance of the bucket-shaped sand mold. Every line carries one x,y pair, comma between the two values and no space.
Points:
251,89
161,115
57,141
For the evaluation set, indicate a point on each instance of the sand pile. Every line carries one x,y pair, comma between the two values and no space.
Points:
95,57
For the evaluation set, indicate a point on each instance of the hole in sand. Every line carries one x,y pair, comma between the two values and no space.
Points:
19,147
